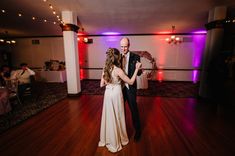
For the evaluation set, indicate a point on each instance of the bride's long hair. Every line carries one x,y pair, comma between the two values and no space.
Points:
113,57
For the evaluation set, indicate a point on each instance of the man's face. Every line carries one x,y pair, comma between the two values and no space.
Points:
24,67
124,46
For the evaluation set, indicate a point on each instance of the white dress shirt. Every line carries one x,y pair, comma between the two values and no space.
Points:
23,77
126,67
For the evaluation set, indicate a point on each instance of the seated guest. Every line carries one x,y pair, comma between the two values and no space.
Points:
5,74
23,77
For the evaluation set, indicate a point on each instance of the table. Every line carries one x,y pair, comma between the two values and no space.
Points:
142,81
52,76
4,101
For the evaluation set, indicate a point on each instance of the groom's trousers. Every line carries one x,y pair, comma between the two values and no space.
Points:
130,96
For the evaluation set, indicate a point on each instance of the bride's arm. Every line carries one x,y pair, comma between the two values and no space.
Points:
125,78
102,81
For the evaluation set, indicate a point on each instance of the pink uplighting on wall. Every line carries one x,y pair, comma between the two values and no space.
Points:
164,32
195,76
200,32
198,47
82,50
80,34
110,33
161,58
111,41
160,76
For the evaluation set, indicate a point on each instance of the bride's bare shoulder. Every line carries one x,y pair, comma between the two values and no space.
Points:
118,69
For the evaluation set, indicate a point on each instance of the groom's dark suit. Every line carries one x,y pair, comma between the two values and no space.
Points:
130,94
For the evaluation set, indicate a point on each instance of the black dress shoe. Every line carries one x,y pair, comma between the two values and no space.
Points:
137,136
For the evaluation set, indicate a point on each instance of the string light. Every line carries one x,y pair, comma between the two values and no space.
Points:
50,6
230,21
54,12
32,18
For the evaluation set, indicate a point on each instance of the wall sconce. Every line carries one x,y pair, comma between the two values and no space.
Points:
85,40
173,39
7,41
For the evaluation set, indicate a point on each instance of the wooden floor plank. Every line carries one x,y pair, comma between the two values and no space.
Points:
170,127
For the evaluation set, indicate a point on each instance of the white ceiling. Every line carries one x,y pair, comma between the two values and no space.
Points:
98,16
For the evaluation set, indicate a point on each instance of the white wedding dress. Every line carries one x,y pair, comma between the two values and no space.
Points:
113,133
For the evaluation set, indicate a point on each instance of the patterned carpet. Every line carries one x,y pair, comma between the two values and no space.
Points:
47,94
50,93
155,88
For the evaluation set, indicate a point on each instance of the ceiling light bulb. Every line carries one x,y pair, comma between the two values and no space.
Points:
13,41
51,6
54,22
19,14
33,18
1,40
45,20
54,12
3,11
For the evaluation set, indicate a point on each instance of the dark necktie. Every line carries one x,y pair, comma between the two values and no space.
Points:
124,63
22,72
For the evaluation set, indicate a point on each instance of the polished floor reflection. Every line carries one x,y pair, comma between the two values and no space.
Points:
171,126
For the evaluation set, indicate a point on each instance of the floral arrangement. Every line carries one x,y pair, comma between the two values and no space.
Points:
54,65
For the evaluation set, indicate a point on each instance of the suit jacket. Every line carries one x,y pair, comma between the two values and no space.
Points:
131,68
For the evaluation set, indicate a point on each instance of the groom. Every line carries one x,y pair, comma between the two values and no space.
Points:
129,60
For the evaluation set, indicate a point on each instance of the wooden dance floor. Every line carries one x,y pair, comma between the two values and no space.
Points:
171,127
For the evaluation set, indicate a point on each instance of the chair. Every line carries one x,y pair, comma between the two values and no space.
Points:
30,89
12,86
26,90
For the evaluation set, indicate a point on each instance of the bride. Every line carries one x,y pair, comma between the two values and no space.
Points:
113,132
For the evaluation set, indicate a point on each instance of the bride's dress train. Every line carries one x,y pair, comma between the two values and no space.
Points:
113,133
